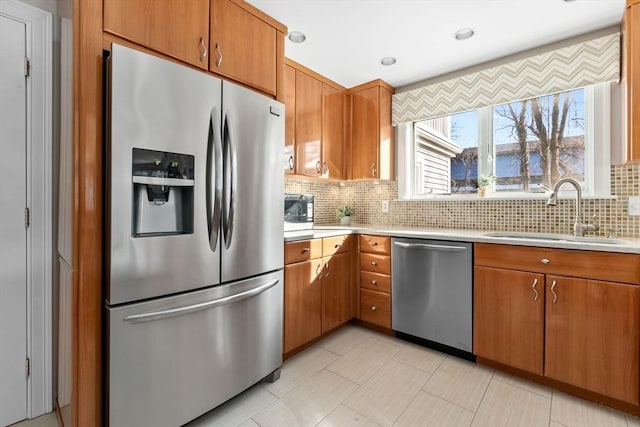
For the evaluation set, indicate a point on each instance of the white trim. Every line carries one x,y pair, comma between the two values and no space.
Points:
39,44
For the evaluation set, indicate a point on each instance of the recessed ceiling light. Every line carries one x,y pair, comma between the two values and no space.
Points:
296,36
463,34
388,60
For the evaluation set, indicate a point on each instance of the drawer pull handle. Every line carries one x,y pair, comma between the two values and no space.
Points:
555,296
305,250
374,282
374,244
535,291
544,261
374,263
374,308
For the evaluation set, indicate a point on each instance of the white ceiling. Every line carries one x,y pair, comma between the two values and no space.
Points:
347,38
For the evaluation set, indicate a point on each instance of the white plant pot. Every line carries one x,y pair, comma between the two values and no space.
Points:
345,220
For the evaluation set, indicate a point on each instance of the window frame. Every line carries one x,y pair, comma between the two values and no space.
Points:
597,142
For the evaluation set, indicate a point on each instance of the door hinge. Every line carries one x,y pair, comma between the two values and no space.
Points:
27,367
27,217
27,67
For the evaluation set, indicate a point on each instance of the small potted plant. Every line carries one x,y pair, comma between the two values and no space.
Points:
484,182
344,214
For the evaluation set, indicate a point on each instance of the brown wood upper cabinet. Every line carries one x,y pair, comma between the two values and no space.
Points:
631,31
308,125
372,149
243,46
290,119
591,327
229,37
168,26
318,126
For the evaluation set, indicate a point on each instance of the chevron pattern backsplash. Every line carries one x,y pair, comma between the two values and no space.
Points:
574,66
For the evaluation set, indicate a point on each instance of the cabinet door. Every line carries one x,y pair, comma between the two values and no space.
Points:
365,133
592,337
333,103
243,47
302,303
631,61
509,317
308,125
336,291
173,27
290,119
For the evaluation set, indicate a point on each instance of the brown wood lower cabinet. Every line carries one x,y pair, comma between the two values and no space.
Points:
591,327
592,336
317,291
509,312
336,295
375,307
302,302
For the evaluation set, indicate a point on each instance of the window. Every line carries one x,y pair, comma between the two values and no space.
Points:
523,145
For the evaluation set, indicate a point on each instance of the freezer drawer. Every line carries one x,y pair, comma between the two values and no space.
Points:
175,358
432,291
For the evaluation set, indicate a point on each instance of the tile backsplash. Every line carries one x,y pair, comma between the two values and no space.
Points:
481,214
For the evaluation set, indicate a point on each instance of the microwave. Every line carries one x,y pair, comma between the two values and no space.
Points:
298,212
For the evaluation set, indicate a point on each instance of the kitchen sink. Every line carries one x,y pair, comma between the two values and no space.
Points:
555,237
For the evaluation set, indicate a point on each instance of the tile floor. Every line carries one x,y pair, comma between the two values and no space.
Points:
357,377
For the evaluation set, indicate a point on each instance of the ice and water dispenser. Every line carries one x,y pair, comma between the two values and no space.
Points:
162,193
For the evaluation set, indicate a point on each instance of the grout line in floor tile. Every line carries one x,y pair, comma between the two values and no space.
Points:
520,387
448,401
484,394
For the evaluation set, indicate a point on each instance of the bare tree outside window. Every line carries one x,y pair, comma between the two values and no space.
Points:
538,141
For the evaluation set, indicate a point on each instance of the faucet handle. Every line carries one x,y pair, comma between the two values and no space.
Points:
612,233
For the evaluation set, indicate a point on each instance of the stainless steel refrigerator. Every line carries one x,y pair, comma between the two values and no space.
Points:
193,232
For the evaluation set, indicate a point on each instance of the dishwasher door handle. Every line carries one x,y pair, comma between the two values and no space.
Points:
430,246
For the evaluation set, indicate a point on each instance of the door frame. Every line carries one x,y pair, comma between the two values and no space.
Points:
39,48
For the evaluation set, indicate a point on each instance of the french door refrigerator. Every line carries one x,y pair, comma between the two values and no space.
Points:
193,235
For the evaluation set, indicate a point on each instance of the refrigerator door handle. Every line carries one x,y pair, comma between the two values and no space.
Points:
231,174
207,305
214,179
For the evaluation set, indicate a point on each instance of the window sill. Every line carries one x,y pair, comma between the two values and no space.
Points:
475,197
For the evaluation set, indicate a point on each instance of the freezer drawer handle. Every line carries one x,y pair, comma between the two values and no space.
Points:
181,311
425,246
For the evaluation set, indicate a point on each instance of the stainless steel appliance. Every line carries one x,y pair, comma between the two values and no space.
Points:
298,212
194,252
432,293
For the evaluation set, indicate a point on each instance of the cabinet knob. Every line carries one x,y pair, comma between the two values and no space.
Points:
374,263
374,308
336,246
374,282
203,50
305,250
374,243
545,261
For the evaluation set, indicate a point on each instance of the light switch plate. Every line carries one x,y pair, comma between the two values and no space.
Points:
634,206
385,206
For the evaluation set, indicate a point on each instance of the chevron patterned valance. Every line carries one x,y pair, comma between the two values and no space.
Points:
570,67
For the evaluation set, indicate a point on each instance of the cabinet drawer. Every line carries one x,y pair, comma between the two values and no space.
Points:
375,281
608,266
375,263
375,307
375,244
336,245
302,250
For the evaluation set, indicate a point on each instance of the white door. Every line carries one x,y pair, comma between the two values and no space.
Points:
13,233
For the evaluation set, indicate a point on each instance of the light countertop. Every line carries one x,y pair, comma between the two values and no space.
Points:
624,245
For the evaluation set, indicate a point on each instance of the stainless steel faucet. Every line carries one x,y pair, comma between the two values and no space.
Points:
578,226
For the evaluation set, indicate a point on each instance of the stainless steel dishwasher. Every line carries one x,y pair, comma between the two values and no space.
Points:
432,293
